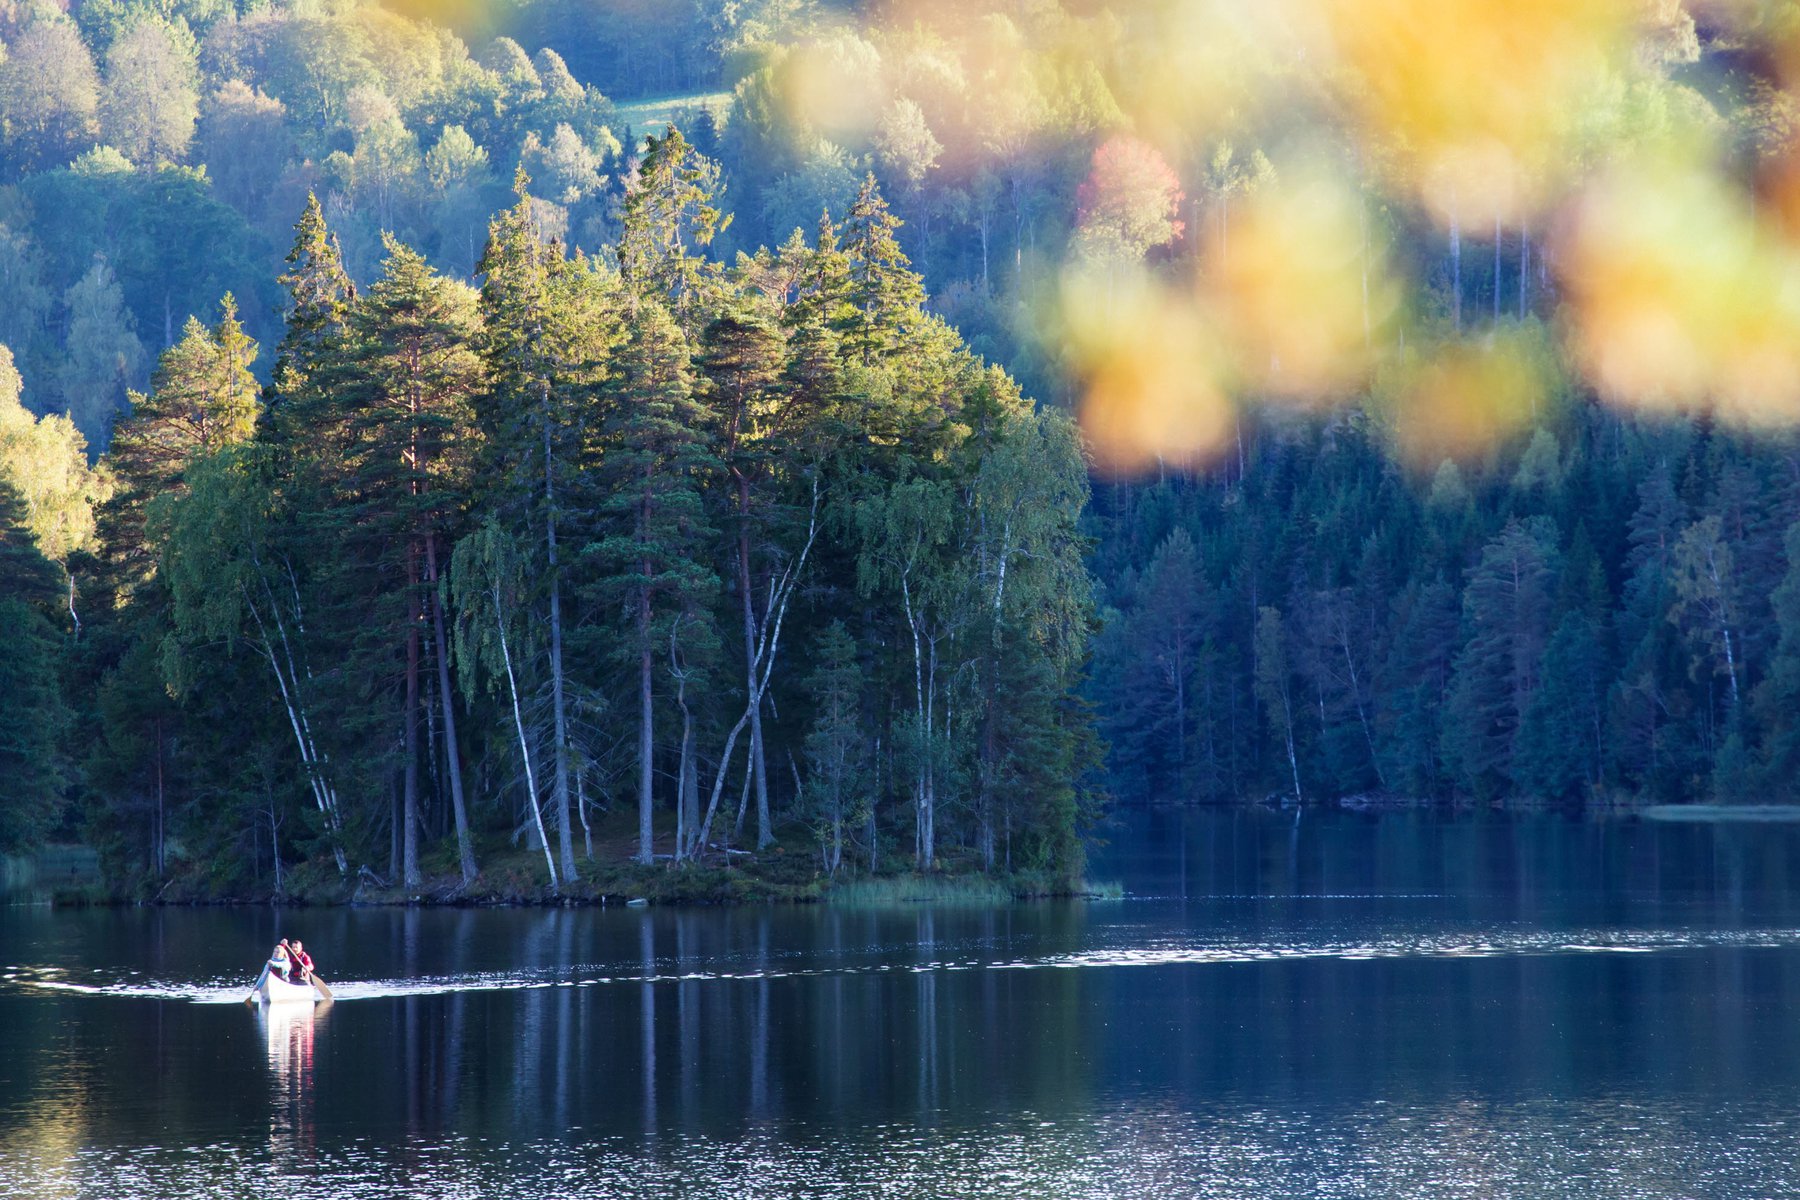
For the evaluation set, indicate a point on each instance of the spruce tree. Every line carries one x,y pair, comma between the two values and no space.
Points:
319,295
882,293
33,717
1506,607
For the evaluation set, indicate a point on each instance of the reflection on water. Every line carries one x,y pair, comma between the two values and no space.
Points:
1405,1007
289,1030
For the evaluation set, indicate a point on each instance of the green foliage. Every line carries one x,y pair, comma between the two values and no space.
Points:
49,92
33,721
671,215
34,718
1507,609
151,99
835,747
106,358
45,461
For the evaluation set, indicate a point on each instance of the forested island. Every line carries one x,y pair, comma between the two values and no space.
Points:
560,450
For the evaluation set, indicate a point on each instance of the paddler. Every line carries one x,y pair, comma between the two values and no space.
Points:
279,962
301,960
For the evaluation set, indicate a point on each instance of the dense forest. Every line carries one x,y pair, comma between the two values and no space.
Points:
433,428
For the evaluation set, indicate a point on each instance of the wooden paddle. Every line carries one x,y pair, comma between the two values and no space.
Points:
251,998
318,983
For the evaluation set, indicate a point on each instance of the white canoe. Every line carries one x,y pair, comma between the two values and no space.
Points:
274,991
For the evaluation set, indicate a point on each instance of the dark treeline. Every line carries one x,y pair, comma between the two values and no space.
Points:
1604,609
736,551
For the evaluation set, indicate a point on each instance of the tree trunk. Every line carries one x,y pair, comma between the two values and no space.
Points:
1362,714
1497,240
646,724
465,849
1293,760
874,830
587,834
565,832
1455,273
986,288
689,795
990,748
409,809
156,840
921,855
1524,269
512,685
288,684
758,770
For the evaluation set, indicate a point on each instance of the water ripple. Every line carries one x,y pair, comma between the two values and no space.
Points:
1461,1147
1154,953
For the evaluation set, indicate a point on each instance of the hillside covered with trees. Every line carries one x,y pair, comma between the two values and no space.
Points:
1433,368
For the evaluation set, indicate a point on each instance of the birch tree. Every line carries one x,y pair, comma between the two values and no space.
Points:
487,587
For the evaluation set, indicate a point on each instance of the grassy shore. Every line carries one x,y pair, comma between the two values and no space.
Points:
1720,813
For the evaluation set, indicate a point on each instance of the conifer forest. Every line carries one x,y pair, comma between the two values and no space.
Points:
879,435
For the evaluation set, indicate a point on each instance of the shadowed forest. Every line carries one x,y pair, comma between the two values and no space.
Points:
880,434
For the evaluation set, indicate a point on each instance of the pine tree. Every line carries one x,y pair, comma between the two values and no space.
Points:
407,384
202,399
1416,683
671,215
655,461
1562,742
741,358
1167,624
319,295
550,328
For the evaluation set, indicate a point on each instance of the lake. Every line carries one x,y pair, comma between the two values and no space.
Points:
1407,1005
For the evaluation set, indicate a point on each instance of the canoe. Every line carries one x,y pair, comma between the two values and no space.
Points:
274,991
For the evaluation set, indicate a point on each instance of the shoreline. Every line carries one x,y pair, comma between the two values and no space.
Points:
605,885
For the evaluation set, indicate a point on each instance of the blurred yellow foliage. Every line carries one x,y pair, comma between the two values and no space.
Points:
1477,93
1295,291
1467,394
1679,298
1152,392
1557,140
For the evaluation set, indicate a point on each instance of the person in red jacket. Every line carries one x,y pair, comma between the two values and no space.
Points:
302,962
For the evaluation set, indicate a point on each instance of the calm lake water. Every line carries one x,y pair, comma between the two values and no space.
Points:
1411,1005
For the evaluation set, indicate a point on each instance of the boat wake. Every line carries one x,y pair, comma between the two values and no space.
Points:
1165,953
